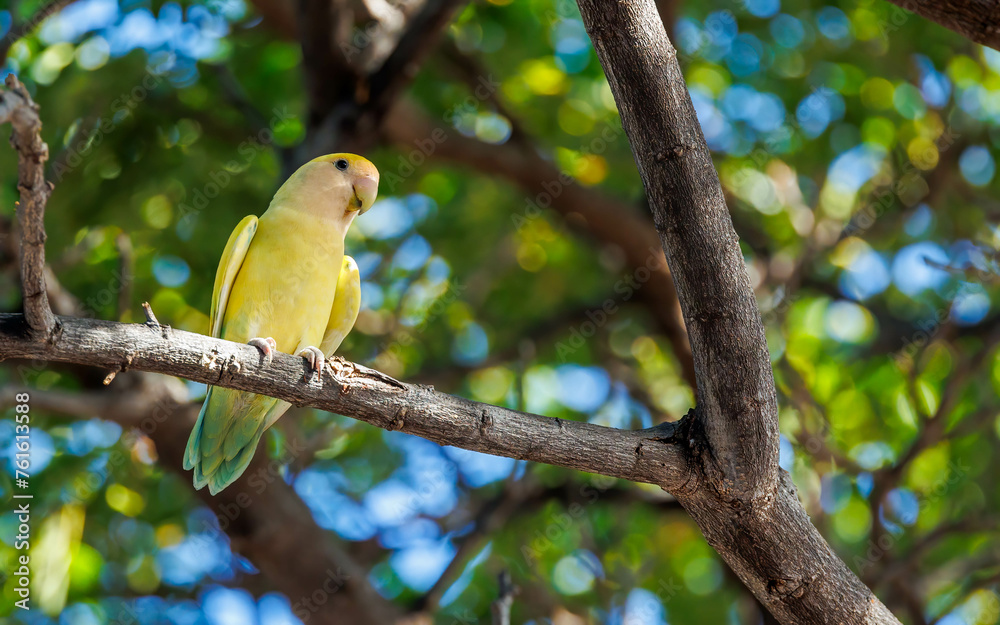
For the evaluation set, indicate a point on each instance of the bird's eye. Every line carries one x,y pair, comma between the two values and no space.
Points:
341,164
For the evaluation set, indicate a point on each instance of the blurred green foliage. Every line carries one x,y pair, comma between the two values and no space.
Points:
857,146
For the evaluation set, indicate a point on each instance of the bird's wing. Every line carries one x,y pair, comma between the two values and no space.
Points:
229,267
346,304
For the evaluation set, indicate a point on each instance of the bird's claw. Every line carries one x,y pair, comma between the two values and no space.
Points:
315,357
267,346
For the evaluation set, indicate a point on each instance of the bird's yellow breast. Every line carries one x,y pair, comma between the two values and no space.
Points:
286,286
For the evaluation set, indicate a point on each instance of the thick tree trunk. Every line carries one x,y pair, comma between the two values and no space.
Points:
978,20
736,393
784,561
746,506
721,461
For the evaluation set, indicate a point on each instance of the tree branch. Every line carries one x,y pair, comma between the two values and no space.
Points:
720,461
17,108
977,20
986,581
749,512
654,455
603,217
935,429
18,30
401,65
346,101
736,393
500,608
262,515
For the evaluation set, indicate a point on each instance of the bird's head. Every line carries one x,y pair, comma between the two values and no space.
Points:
359,173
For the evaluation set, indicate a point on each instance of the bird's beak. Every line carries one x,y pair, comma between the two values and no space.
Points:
365,192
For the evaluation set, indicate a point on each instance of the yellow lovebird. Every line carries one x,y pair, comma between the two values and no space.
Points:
283,284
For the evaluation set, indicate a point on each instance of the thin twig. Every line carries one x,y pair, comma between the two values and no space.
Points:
500,608
491,515
908,564
150,317
19,30
158,407
934,430
17,108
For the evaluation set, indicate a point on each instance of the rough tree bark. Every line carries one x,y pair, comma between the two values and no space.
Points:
262,515
17,107
736,394
365,394
720,462
363,94
978,20
746,505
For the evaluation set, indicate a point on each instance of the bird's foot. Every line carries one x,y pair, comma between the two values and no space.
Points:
267,347
316,359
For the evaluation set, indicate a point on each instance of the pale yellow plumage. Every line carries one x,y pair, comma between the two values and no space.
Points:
283,276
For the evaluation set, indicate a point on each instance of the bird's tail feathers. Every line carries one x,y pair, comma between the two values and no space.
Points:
226,435
191,452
